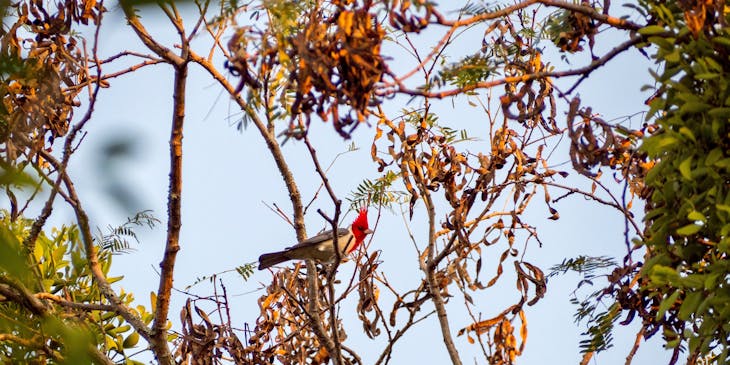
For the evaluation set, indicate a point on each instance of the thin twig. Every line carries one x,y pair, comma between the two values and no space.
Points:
74,305
635,347
515,79
278,212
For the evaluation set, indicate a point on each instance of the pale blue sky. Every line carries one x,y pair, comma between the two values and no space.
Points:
228,176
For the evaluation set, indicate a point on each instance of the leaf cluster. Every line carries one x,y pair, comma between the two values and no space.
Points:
49,296
40,77
688,214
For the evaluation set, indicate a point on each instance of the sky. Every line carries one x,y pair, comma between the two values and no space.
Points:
229,182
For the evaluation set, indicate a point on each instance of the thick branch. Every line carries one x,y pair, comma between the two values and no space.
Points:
30,343
174,220
18,293
313,310
158,340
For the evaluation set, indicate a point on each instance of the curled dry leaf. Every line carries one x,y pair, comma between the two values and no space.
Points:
595,143
369,293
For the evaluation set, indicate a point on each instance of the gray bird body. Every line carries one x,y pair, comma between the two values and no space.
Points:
317,247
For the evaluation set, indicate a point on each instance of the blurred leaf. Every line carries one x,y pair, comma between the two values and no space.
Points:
11,176
12,258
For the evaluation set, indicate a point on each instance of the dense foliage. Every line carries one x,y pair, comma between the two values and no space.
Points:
688,211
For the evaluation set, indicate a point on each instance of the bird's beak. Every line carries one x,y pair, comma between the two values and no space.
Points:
367,231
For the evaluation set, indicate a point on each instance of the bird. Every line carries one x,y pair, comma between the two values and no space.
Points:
321,247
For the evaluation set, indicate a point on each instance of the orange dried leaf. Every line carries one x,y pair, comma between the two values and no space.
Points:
482,326
523,330
321,357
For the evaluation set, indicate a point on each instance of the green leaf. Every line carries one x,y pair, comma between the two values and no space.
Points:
695,281
707,301
667,141
722,40
713,156
652,30
689,305
12,260
724,163
685,168
661,275
693,107
696,216
665,304
688,230
672,57
719,112
711,280
153,300
687,133
662,42
110,343
707,76
10,175
118,330
723,207
131,340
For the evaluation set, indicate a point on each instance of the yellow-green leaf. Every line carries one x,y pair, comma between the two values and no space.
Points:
693,107
696,216
652,30
689,229
689,305
131,340
665,304
719,112
685,168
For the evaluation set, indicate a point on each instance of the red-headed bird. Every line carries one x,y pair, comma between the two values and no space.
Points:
321,247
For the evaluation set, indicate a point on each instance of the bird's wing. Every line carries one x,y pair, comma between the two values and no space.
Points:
324,236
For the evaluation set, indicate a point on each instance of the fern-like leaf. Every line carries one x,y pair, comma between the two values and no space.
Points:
117,239
598,335
245,271
378,192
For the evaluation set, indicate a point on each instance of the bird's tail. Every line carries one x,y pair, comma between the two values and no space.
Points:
270,259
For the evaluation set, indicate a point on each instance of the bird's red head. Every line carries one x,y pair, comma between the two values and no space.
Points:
360,228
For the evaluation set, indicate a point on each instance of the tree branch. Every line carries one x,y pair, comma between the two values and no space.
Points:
74,305
174,218
294,195
433,286
430,270
146,38
18,293
91,252
574,7
271,143
582,71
